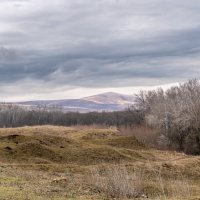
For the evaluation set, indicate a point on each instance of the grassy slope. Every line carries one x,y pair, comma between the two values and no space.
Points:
54,163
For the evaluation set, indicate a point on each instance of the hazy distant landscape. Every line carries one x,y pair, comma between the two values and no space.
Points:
103,102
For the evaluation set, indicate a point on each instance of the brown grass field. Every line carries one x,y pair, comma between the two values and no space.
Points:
82,163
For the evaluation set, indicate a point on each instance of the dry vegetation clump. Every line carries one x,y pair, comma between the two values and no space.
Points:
120,182
116,182
168,184
144,134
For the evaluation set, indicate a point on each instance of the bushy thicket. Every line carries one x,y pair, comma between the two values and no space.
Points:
15,116
176,114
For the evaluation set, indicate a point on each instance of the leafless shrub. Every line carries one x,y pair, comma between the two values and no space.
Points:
144,134
116,182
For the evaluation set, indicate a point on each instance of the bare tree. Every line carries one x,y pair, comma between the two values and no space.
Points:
175,112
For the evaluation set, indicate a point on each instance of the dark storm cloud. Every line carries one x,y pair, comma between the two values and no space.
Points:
113,43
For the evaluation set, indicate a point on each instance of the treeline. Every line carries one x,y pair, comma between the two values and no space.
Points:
16,116
175,113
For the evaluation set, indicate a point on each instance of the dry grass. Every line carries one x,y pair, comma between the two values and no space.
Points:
151,182
64,145
56,162
116,182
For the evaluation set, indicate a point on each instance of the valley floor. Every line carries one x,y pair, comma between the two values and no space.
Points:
58,163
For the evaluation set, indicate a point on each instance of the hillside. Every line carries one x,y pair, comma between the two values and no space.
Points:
64,145
56,163
111,98
102,102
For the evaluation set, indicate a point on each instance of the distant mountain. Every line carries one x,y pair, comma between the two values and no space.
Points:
102,102
111,98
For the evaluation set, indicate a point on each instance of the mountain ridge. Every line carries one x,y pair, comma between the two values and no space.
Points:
108,101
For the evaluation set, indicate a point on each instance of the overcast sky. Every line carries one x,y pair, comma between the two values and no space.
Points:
71,48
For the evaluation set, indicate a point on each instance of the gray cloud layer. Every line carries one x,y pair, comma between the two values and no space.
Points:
98,43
